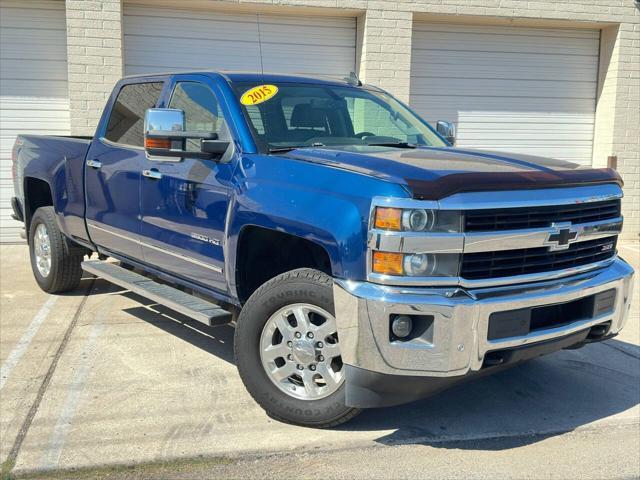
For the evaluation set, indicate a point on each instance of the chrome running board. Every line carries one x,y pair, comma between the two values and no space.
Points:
193,307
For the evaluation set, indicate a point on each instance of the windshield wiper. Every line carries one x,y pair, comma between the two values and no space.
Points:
294,147
393,144
286,149
380,144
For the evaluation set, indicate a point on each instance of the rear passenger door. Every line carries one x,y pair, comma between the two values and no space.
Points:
114,168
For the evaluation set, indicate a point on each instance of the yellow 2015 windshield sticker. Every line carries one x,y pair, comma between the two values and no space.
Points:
258,94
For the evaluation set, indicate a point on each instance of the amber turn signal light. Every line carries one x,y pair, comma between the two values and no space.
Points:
388,218
157,143
388,263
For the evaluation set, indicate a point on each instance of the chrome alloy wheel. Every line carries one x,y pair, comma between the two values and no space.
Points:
300,352
42,250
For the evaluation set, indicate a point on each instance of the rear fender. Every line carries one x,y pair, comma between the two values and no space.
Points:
59,162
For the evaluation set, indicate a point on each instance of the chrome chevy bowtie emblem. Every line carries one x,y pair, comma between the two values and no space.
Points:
561,237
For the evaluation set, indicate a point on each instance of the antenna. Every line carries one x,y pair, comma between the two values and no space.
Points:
260,44
353,79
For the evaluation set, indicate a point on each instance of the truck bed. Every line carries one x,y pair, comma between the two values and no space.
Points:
58,161
35,141
48,148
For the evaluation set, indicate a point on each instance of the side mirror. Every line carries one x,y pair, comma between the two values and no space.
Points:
447,130
165,136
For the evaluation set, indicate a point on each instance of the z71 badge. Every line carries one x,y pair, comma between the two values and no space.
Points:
607,247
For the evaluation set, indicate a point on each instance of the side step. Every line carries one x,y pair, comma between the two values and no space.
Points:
194,307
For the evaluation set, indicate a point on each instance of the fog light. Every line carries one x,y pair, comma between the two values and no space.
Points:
401,326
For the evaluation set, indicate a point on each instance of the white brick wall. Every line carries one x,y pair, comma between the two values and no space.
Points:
94,52
385,51
618,114
384,57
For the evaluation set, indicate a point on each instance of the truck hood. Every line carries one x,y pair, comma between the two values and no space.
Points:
432,173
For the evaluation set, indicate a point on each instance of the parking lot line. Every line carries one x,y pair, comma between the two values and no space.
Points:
26,424
51,457
25,341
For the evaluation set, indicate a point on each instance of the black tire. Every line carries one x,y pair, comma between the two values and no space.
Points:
65,272
303,285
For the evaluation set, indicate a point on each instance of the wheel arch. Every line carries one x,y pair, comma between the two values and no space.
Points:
37,193
263,253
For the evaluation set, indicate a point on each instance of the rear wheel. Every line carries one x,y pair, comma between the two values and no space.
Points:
55,263
288,352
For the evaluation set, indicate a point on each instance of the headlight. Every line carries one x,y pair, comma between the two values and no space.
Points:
418,220
416,264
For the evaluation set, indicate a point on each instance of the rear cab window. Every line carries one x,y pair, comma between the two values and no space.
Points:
126,120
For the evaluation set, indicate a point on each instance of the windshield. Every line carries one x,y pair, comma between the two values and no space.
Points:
301,115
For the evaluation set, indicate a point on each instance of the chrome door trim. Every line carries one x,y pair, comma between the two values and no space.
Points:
162,250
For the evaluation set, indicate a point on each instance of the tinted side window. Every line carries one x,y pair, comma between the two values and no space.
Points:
201,111
126,123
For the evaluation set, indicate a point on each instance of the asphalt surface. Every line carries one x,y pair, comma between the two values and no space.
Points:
107,379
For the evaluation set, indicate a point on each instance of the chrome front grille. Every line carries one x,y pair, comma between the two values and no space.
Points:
507,263
539,217
507,237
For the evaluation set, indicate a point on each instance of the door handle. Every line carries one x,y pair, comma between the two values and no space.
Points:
94,164
152,173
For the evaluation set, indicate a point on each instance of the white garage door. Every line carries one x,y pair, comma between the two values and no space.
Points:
515,89
33,85
158,39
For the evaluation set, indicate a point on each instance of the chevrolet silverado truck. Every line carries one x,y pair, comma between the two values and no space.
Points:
364,260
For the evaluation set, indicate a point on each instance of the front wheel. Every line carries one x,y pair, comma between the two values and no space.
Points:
288,352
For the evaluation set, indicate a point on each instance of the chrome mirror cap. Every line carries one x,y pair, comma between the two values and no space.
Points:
447,130
163,119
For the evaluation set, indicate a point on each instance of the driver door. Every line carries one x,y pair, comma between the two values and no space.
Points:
184,202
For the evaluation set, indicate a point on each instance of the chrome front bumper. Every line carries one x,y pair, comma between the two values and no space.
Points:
458,340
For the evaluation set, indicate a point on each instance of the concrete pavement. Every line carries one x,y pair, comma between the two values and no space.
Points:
108,379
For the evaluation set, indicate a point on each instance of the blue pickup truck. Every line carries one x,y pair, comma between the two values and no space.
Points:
364,260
